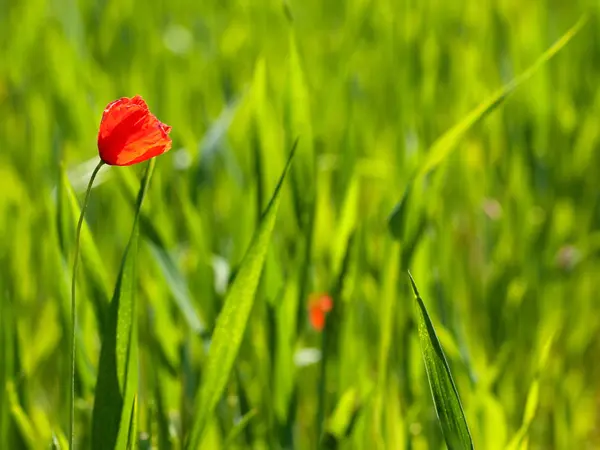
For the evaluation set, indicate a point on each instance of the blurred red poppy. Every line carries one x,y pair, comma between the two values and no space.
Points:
130,133
318,307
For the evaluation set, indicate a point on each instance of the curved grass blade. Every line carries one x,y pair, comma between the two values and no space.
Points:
445,396
178,286
59,441
116,386
22,421
387,319
239,427
232,321
533,398
398,218
173,277
342,420
297,118
445,144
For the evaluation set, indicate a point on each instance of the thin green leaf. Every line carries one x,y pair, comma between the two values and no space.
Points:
59,440
239,427
232,321
298,120
116,386
341,419
533,397
330,337
8,368
20,417
178,286
173,276
162,418
387,317
445,144
398,218
445,395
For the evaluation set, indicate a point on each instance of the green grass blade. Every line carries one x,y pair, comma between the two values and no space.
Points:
239,427
172,275
298,120
533,398
59,441
232,321
178,286
116,386
387,319
8,336
444,146
398,219
445,395
22,421
342,420
330,341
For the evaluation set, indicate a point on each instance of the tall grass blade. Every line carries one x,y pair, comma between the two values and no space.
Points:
238,428
298,120
445,144
533,398
8,366
23,422
116,386
342,420
232,321
178,286
445,395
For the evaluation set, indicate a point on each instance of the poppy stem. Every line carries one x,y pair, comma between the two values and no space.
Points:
73,304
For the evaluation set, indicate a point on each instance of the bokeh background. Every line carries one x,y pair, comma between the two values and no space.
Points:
503,241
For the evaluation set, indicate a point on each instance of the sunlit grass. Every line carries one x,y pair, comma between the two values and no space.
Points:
502,237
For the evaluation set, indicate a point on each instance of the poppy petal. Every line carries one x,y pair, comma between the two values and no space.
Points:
149,153
326,303
317,319
129,133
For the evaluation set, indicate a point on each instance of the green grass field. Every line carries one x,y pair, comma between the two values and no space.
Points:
498,221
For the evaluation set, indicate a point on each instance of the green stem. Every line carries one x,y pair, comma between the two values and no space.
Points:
73,304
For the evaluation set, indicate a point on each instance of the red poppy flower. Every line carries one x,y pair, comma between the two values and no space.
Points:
130,133
318,307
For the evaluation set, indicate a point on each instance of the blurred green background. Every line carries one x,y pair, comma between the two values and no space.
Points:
504,240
